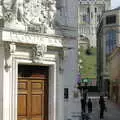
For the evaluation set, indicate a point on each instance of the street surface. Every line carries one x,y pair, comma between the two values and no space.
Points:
113,110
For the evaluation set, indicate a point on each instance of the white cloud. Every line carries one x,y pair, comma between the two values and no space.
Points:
115,3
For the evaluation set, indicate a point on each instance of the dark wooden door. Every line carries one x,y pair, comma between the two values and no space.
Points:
32,99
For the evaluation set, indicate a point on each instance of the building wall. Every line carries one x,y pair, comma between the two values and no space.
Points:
103,34
72,106
114,66
1,81
114,71
68,16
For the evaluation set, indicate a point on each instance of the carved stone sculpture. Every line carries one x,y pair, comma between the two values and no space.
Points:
40,13
38,51
35,15
11,10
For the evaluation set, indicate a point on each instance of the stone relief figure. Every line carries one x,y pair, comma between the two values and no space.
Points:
12,14
8,9
19,10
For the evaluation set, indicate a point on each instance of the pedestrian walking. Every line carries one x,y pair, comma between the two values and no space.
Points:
85,95
102,107
89,104
83,105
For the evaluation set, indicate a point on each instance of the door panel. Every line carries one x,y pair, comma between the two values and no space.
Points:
32,99
37,96
23,97
22,105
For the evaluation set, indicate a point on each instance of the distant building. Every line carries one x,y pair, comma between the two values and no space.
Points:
89,14
107,43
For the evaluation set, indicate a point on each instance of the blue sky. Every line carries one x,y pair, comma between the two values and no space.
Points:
115,3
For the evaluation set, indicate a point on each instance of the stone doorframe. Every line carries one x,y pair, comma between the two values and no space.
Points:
10,89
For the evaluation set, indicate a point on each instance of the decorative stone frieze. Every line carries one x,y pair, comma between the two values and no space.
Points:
21,37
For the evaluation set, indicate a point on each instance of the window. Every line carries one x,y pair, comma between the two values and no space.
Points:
66,93
111,19
110,41
95,10
86,19
88,10
91,15
98,18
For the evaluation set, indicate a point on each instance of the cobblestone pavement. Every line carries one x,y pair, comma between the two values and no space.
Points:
113,111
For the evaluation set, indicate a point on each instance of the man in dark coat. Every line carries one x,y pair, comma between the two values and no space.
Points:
89,105
83,105
102,107
85,95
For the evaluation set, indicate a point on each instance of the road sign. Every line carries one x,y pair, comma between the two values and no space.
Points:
86,80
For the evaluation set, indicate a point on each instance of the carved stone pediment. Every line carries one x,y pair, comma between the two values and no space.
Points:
35,15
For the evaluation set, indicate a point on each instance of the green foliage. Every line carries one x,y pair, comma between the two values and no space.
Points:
88,58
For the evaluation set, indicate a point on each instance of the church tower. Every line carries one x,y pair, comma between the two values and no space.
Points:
89,13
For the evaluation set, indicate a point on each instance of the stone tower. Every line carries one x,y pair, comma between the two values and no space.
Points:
89,13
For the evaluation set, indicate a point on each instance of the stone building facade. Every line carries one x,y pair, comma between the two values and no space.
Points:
89,13
38,49
107,44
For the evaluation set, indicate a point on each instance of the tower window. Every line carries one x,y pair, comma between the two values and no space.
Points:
88,10
95,10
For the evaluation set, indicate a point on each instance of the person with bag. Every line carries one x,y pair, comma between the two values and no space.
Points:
102,107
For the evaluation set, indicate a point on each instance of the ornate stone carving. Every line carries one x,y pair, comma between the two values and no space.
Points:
9,51
12,14
36,15
8,9
20,37
39,15
10,48
38,51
